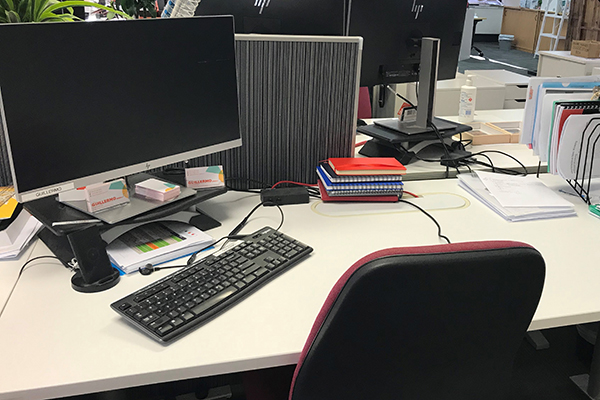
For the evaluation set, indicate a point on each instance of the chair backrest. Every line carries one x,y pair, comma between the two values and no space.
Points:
433,322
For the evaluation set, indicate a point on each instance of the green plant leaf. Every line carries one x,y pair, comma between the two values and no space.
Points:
50,16
4,6
75,3
23,7
13,17
40,5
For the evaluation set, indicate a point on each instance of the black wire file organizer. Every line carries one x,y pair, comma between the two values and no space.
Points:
582,183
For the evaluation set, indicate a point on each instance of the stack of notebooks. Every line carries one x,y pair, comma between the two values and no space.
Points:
361,179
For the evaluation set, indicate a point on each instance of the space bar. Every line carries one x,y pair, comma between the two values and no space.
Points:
213,301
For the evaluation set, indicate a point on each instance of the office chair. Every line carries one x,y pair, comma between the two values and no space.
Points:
434,322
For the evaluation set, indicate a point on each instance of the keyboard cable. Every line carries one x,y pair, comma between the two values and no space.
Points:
19,277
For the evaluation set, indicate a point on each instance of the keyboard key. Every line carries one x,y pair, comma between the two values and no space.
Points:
165,329
213,301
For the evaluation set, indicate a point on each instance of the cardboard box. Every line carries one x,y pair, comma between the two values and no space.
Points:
585,48
484,133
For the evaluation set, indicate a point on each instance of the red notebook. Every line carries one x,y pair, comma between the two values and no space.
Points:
367,166
380,199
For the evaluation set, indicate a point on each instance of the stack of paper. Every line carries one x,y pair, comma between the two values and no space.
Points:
17,235
158,190
156,243
516,198
538,107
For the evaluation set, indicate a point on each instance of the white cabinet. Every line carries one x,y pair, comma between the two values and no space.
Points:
515,85
562,63
490,94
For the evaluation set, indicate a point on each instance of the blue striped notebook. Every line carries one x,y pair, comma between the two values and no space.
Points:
353,188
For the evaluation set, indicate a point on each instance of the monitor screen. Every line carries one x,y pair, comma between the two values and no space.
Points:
83,103
286,17
392,30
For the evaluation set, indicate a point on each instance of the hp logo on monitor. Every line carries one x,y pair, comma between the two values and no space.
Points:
263,4
416,8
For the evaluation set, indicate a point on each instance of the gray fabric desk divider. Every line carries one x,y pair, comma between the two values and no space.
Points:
298,99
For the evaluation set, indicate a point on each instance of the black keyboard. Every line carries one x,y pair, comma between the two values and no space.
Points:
174,305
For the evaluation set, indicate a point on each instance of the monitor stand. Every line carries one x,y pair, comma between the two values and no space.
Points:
88,240
389,133
136,206
428,73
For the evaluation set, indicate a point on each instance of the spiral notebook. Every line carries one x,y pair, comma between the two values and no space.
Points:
359,188
335,178
386,198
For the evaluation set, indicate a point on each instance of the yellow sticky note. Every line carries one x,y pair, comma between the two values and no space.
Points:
7,209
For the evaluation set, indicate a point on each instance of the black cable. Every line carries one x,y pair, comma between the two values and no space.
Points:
505,154
243,223
417,89
439,135
232,236
192,258
263,184
399,146
400,96
498,169
19,277
430,217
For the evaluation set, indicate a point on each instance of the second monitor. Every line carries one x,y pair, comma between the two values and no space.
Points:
410,41
392,31
285,17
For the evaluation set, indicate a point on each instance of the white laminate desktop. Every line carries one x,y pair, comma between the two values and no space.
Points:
57,342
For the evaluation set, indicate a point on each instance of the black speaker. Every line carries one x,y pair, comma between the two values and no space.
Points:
95,271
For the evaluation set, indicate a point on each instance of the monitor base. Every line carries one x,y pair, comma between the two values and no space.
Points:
48,210
407,152
412,128
80,285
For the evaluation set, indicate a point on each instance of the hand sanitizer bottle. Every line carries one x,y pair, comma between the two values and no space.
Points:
468,95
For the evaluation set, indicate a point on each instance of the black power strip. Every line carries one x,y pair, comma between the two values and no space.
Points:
282,196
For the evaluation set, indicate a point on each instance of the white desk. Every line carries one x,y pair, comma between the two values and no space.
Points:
57,342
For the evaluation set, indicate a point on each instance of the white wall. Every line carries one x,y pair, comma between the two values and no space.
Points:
512,3
493,19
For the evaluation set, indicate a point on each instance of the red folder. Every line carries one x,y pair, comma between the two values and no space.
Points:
367,166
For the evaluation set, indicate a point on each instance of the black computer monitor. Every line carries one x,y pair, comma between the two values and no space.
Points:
113,99
392,31
410,41
285,17
116,98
